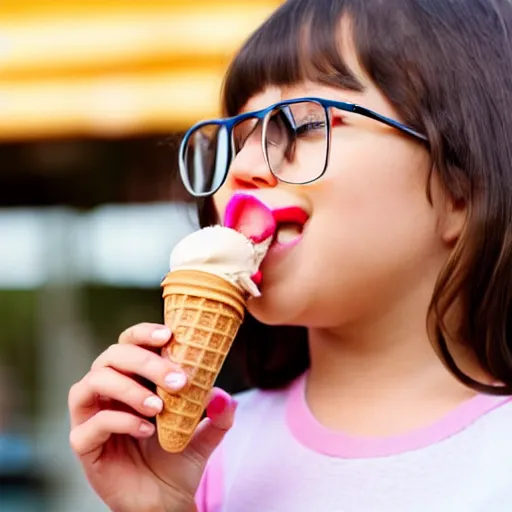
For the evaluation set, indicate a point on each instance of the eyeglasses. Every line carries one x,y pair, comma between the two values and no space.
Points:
295,137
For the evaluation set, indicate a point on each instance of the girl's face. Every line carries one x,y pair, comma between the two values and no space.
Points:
372,238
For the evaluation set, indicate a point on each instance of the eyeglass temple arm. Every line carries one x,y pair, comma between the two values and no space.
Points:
390,122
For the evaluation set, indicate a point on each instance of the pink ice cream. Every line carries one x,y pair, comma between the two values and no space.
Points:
249,216
252,218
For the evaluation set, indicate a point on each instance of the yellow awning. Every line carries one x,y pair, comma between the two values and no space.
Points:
115,67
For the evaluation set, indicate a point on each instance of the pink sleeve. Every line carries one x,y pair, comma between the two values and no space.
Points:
209,495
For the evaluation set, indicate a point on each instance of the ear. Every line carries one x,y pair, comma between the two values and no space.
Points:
453,221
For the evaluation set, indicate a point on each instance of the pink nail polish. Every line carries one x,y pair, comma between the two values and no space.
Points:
217,406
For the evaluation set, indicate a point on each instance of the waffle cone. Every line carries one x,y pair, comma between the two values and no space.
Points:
204,313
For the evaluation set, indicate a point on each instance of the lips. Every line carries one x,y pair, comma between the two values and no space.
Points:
290,215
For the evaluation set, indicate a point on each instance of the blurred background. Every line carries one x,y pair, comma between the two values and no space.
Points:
94,96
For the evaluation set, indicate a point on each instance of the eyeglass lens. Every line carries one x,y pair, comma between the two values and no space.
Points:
295,144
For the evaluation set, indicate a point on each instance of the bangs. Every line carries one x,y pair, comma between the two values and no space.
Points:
300,42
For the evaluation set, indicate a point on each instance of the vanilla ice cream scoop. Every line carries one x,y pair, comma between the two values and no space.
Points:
224,252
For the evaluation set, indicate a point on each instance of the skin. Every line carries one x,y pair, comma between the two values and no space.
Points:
364,301
366,316
115,443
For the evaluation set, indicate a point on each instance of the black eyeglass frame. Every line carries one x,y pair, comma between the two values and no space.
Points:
263,116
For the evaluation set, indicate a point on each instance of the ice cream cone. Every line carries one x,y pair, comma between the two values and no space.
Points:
204,312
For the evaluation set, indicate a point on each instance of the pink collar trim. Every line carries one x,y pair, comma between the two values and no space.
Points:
310,433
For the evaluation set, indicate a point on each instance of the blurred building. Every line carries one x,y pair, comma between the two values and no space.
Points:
94,95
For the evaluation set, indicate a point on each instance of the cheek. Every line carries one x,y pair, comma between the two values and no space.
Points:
380,205
379,193
372,230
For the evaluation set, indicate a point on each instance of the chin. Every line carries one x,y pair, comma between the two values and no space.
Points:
263,313
270,311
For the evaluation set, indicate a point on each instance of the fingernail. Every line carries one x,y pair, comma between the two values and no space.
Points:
146,429
175,381
162,334
154,402
217,406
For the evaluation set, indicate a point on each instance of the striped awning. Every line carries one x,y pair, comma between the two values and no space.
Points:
115,67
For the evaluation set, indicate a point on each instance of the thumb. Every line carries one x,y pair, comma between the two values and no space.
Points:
220,413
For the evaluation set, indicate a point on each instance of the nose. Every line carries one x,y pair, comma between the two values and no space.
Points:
249,169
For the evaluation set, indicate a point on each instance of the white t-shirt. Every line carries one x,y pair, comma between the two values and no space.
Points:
277,457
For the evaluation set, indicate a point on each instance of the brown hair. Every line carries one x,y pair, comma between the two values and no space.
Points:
446,67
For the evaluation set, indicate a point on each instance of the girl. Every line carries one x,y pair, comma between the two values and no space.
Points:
381,348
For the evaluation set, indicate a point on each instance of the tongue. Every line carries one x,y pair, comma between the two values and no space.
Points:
249,216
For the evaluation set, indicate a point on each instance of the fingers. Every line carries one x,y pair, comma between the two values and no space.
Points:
146,334
131,359
113,379
152,336
113,376
110,384
87,439
210,432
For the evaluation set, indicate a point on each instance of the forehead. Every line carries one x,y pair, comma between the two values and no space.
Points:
263,99
314,73
274,94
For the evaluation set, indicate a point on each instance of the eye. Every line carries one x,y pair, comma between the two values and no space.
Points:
310,125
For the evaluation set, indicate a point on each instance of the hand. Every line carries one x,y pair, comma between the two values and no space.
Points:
115,442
